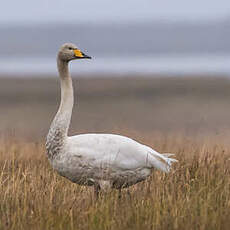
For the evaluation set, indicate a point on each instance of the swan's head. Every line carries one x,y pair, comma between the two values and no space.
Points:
69,52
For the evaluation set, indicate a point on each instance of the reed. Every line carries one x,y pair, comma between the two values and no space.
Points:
195,195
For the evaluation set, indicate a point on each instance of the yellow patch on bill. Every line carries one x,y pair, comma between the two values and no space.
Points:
78,53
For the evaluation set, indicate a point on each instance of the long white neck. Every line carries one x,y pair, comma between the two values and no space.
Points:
59,128
63,116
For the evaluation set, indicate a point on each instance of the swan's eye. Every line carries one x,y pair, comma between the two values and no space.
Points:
70,48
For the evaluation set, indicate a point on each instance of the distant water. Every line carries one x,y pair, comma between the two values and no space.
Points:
168,65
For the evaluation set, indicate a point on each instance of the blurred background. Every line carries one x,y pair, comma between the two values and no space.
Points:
132,36
159,66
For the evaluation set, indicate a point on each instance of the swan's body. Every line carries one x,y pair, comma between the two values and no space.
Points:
102,160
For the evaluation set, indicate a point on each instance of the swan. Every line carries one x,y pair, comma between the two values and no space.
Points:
104,161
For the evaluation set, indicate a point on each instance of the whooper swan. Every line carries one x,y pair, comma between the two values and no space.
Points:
101,160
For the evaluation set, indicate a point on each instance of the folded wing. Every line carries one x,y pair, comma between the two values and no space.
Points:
117,152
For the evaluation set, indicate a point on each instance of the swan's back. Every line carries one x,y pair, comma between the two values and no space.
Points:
117,151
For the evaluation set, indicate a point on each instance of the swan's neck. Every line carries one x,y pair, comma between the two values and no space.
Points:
60,125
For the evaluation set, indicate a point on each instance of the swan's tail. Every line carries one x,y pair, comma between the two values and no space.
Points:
163,161
169,160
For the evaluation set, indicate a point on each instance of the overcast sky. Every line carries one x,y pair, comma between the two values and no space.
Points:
43,11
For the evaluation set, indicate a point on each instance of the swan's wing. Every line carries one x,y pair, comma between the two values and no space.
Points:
117,152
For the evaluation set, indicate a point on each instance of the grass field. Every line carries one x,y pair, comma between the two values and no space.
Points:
188,117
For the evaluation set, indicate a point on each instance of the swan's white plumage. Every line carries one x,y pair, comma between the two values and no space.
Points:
104,160
117,151
108,157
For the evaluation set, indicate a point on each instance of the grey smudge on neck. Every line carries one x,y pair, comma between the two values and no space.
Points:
54,142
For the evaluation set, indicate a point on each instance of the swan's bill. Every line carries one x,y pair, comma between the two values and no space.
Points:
79,54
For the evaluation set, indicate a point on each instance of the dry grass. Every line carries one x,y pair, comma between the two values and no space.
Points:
195,195
188,117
